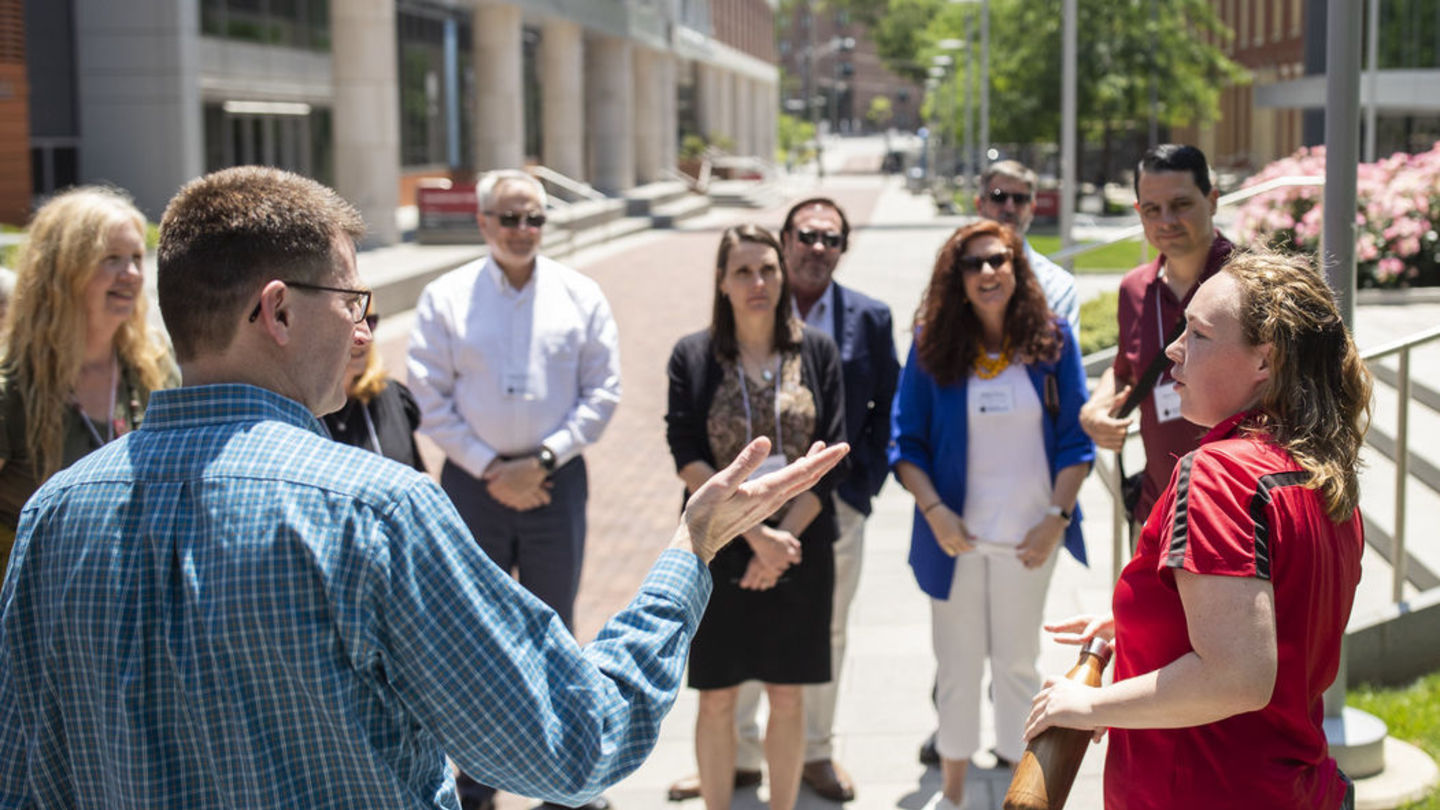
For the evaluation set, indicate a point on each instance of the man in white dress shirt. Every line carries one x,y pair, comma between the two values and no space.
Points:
515,363
1007,194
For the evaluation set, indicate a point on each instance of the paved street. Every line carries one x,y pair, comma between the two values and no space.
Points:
659,284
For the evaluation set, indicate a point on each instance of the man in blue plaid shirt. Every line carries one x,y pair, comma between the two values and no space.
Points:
225,608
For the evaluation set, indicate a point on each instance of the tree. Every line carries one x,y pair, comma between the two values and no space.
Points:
880,112
1125,45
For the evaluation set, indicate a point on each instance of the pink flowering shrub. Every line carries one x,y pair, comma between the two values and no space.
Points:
1397,215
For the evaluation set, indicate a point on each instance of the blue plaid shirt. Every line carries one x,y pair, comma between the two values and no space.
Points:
227,609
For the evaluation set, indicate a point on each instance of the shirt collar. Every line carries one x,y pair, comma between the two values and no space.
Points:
1227,428
1220,250
492,270
824,306
204,405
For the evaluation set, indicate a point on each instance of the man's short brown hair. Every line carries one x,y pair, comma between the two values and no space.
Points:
226,234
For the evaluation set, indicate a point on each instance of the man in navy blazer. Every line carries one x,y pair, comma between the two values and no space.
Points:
815,235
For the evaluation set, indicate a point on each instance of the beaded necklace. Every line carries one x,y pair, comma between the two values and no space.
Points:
987,367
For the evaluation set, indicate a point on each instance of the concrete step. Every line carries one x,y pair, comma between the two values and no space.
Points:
687,207
584,215
643,201
745,193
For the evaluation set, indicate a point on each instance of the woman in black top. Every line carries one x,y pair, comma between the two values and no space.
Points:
379,414
756,371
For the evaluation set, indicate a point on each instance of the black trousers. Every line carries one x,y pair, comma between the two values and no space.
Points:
545,547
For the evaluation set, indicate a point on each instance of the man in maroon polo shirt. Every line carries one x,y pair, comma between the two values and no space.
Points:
1176,201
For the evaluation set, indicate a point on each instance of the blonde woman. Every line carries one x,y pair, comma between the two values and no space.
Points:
1227,622
80,358
380,414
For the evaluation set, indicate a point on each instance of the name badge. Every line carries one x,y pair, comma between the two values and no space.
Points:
997,400
516,385
775,462
1167,402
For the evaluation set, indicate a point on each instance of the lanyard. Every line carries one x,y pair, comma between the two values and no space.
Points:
745,397
110,412
370,429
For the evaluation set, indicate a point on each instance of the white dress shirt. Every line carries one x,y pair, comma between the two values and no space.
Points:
501,371
822,312
1058,286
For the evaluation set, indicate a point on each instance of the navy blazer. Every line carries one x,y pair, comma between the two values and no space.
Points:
871,370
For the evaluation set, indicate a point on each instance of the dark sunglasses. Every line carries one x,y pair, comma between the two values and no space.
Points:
510,219
972,264
831,239
372,320
1000,197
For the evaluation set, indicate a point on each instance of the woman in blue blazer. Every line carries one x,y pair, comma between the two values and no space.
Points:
986,436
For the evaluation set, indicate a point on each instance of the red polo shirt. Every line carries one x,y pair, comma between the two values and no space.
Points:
1147,313
1237,507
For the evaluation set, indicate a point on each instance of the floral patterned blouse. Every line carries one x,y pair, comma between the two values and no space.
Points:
727,423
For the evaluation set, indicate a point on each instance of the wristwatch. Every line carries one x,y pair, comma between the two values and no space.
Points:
546,456
1060,512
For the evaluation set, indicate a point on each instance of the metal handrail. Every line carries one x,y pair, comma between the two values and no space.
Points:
1402,348
568,184
1233,198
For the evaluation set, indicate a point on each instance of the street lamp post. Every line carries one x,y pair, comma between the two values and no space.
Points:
1069,53
984,142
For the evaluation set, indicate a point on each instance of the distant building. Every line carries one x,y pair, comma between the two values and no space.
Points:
371,95
14,115
827,54
1282,44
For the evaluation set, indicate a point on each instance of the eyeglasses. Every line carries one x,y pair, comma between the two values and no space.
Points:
511,219
358,303
832,239
372,320
972,264
1000,196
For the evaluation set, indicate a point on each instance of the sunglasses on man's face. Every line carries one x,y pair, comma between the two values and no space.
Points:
972,264
1000,197
832,239
511,219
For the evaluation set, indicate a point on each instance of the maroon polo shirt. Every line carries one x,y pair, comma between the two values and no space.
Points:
1147,312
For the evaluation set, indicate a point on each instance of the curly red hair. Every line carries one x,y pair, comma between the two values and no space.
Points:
948,334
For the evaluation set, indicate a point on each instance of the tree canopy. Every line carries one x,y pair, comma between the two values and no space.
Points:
1124,46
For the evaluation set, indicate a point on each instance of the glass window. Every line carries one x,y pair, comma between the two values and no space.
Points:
435,90
289,23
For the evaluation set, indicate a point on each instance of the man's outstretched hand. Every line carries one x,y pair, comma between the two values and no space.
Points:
727,504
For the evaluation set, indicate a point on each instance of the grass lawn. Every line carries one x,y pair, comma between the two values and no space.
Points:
1098,328
1412,714
1116,258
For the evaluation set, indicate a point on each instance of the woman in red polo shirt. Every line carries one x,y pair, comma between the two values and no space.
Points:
1227,623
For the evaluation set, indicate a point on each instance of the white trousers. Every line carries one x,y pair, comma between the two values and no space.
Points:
995,609
820,698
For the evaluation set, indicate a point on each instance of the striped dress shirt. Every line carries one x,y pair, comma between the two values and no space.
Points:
227,609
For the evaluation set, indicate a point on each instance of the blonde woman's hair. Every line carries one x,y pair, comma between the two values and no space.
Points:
44,332
1317,401
373,379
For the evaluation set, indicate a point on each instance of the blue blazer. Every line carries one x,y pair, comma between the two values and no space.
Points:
871,370
929,428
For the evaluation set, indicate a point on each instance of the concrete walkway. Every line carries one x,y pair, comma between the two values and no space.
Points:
659,285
